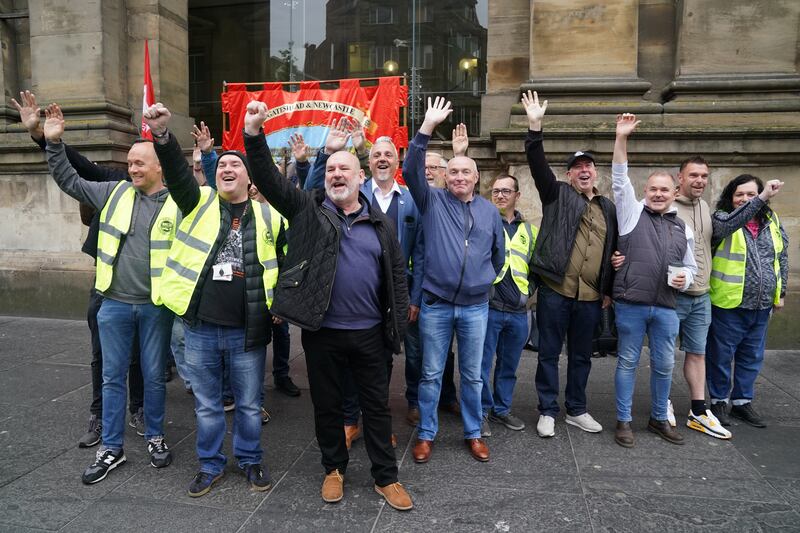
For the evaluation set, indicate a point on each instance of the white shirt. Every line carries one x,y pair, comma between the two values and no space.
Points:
384,201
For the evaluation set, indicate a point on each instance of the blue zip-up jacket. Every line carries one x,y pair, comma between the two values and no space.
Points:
464,241
407,224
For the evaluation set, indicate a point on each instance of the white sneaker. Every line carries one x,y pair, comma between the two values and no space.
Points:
671,414
708,424
546,426
585,422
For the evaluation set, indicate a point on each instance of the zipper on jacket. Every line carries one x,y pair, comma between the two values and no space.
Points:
337,229
468,224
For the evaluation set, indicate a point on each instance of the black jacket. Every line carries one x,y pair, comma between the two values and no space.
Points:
186,193
562,210
304,287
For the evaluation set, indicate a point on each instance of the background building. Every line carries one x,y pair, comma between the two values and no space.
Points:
714,77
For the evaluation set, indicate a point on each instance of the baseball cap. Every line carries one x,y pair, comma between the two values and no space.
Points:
577,155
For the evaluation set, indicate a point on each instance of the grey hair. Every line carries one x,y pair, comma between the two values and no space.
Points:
384,139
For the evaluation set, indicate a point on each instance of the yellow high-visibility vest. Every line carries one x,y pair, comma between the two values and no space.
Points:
518,254
193,243
115,221
729,265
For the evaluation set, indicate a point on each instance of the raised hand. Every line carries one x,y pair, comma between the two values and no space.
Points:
54,123
437,112
771,188
157,117
255,117
29,113
460,140
359,140
338,135
626,123
299,147
202,136
534,110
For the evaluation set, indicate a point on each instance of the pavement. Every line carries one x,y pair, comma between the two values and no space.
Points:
574,481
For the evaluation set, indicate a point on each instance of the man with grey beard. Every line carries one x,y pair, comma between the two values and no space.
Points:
344,284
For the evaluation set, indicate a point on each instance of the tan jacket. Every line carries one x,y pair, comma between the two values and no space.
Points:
697,215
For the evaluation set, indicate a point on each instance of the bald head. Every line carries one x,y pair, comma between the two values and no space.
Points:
144,167
462,175
343,177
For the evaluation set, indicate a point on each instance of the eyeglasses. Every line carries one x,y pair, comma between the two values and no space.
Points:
503,192
433,168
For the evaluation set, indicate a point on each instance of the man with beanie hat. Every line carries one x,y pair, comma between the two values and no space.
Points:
219,278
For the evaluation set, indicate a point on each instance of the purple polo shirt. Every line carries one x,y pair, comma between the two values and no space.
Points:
355,301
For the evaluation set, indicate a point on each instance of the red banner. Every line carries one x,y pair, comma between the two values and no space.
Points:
311,110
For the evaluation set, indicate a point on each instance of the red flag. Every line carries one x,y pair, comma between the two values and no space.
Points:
148,95
311,110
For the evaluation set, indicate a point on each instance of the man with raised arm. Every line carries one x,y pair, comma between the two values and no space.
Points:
137,226
577,236
344,284
29,115
659,263
219,279
464,252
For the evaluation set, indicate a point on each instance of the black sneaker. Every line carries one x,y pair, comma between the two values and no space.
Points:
720,410
92,435
202,483
748,415
168,374
160,456
508,420
228,404
137,422
265,418
105,461
286,386
257,477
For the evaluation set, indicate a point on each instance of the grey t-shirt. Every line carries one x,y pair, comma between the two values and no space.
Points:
131,281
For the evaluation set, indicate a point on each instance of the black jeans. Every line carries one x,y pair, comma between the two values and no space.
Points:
280,350
135,380
329,352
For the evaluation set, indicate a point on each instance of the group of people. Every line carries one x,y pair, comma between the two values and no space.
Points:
220,257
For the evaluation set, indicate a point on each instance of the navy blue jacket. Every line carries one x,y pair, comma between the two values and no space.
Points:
464,241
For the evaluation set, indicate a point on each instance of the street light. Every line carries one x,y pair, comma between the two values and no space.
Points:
390,67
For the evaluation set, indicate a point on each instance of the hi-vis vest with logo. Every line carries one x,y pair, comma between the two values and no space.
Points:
729,265
115,221
518,255
195,239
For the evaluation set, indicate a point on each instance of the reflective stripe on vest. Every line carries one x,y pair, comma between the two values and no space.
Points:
730,264
193,243
115,221
519,250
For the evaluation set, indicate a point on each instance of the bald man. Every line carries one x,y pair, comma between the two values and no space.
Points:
344,284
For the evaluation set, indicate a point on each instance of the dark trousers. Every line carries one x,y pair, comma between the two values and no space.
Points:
328,353
558,317
135,380
280,350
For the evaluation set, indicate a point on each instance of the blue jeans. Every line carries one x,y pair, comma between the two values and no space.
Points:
178,345
558,317
119,324
413,369
506,334
206,345
438,320
736,336
661,325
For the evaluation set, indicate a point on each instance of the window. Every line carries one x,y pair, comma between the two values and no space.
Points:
381,15
358,57
425,58
378,55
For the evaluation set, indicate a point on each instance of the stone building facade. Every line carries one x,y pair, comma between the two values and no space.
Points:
713,77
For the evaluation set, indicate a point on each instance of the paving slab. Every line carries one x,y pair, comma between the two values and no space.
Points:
574,481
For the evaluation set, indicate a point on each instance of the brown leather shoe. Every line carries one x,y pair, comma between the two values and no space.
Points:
422,450
396,496
478,449
452,408
351,434
394,440
333,487
412,417
665,431
624,434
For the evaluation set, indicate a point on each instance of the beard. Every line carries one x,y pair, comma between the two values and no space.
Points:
343,194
